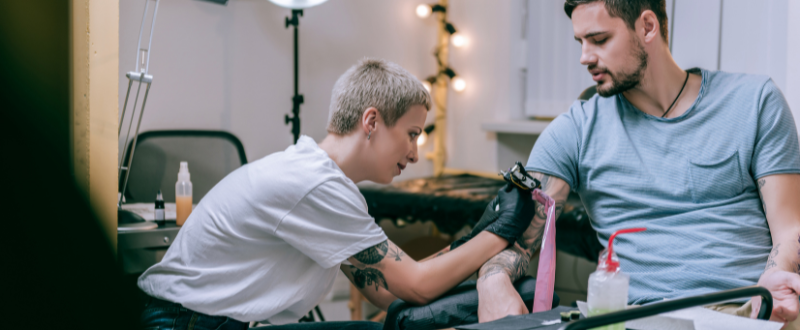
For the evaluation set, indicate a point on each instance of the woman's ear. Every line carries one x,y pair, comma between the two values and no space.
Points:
369,120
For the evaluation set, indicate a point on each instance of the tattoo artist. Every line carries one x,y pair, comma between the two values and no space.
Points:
708,161
266,243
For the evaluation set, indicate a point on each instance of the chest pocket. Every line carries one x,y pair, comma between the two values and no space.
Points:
716,180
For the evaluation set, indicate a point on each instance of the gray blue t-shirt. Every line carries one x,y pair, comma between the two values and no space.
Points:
691,180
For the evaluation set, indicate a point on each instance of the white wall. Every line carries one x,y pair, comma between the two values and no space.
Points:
492,78
751,38
792,90
230,67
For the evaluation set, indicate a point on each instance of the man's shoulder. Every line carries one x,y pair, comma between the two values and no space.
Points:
742,84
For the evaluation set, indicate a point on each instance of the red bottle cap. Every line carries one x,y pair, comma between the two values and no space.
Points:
612,265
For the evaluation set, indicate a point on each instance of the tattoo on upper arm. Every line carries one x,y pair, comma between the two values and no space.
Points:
771,261
363,278
761,183
373,255
396,253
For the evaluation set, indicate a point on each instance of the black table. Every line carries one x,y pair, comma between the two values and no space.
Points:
453,201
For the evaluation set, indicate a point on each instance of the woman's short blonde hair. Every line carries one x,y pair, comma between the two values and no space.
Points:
374,83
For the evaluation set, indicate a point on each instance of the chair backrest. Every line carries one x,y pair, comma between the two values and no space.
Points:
588,93
211,156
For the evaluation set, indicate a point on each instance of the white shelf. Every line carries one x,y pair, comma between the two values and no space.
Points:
522,126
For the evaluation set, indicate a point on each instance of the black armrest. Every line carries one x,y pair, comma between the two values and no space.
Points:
456,307
677,304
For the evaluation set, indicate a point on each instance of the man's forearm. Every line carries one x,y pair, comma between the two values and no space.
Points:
779,194
514,261
785,255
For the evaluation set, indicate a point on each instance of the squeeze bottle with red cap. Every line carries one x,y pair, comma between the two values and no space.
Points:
608,285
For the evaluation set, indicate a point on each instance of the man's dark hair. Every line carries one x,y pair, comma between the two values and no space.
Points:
628,11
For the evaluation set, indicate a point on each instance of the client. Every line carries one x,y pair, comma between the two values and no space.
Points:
265,243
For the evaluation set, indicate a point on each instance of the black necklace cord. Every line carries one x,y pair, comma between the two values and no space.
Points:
679,95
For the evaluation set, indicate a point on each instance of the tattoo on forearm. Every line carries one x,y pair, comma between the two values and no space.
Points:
368,277
374,254
512,262
797,264
761,183
771,261
396,253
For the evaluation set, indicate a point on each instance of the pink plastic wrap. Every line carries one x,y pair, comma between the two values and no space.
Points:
545,277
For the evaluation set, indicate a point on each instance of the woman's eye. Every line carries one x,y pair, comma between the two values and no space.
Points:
413,134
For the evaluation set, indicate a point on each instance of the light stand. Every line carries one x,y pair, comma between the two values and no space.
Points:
140,74
297,99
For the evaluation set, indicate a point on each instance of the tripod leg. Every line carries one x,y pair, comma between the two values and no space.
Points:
124,106
135,138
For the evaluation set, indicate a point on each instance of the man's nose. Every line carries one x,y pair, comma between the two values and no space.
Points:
588,56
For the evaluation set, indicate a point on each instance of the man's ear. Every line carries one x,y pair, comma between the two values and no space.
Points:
369,120
650,25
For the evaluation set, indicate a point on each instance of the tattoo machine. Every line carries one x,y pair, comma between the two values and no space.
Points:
545,277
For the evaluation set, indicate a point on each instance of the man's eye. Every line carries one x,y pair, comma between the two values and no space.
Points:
413,135
600,42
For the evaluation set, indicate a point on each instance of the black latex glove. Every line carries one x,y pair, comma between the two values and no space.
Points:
509,220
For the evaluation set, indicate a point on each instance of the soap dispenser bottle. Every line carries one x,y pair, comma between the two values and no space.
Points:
183,195
608,285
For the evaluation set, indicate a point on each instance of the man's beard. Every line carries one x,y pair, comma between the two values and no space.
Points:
623,81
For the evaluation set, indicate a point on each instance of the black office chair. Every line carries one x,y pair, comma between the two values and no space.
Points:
211,156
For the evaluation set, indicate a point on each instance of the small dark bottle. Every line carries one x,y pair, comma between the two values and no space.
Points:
160,216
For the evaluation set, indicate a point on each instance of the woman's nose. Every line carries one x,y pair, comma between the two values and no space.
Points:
413,156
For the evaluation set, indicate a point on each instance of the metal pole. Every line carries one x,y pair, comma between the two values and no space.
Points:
133,147
297,99
130,124
124,106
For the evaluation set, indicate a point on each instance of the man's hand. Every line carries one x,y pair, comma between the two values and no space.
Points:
784,287
497,298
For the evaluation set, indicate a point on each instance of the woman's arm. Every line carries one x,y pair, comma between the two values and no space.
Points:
385,266
381,297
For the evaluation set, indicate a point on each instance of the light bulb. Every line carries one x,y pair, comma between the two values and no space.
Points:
459,84
423,11
427,85
422,139
459,40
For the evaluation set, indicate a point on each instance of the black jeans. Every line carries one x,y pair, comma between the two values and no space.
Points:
165,315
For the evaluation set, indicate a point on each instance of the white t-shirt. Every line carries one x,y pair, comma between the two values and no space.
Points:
265,242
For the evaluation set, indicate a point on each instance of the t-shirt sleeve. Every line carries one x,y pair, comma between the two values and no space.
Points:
330,224
556,150
776,147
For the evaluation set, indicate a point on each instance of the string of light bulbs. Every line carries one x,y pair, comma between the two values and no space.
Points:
456,39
